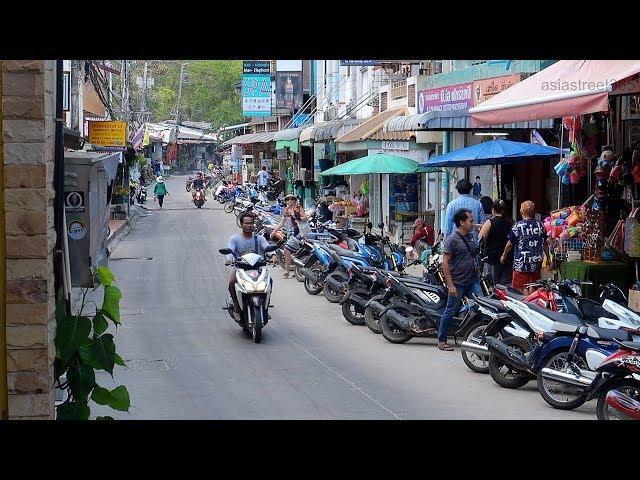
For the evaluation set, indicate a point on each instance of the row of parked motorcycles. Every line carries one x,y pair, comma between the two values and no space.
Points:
576,349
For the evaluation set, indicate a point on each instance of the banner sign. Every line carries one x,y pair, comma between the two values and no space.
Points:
256,89
108,133
289,90
455,99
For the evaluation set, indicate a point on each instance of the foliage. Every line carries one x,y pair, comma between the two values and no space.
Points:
120,191
82,348
208,91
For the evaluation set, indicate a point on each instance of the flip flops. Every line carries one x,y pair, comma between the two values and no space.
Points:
445,346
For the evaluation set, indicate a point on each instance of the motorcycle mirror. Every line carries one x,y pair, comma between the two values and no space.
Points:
225,251
381,225
369,225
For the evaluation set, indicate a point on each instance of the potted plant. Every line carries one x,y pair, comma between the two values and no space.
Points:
120,195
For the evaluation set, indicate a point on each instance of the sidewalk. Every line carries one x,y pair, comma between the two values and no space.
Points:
120,228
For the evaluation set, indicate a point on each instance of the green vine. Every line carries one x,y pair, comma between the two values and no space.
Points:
82,347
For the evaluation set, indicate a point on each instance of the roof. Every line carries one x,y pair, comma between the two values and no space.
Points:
370,126
444,120
309,132
261,137
566,88
288,134
335,128
382,135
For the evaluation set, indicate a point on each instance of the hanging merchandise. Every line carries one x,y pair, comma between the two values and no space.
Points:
364,187
632,233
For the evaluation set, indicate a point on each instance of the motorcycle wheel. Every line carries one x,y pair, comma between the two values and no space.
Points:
372,320
560,395
349,311
256,327
297,271
228,207
330,293
390,330
476,362
627,386
504,375
313,288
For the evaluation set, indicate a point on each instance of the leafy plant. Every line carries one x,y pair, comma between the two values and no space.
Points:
83,347
120,191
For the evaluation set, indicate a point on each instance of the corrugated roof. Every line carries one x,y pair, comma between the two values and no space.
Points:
404,135
261,137
309,132
288,134
370,126
444,120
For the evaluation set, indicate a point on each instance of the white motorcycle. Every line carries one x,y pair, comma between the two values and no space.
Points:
253,291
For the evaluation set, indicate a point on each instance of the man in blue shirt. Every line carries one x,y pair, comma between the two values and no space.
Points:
477,189
464,201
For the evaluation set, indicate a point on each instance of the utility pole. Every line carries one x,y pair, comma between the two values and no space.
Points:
74,105
178,107
143,102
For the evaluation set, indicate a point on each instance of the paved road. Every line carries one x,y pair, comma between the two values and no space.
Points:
188,360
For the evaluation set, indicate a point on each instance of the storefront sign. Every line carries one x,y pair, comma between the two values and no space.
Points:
394,145
289,90
256,89
108,133
455,99
486,88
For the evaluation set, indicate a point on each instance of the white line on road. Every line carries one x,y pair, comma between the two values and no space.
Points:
342,377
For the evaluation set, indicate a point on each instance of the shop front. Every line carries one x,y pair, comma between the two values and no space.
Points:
594,223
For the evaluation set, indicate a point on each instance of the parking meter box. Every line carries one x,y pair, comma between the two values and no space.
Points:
87,196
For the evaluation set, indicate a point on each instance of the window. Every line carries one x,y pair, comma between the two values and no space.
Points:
398,90
411,95
383,101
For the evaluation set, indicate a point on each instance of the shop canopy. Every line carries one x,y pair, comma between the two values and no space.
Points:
377,163
493,152
566,88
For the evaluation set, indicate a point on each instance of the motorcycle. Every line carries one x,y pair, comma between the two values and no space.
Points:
198,198
189,184
252,290
141,196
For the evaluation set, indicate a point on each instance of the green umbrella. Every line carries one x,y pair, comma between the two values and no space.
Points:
377,163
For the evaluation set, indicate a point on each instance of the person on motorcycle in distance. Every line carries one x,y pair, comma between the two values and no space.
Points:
291,215
198,184
241,244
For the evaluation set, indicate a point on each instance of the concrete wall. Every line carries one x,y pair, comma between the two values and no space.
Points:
28,110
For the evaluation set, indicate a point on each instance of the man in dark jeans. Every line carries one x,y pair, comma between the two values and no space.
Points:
460,271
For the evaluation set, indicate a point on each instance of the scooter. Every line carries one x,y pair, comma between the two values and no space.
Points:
141,197
198,198
252,290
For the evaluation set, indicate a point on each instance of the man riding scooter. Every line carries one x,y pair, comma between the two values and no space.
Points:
198,184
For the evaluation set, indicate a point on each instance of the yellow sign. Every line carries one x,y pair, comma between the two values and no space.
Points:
107,133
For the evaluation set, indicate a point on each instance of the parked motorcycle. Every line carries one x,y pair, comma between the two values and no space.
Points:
253,292
141,196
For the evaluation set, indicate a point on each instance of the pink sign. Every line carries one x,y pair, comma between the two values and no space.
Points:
455,99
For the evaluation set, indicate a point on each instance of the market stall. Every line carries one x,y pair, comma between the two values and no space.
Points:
380,163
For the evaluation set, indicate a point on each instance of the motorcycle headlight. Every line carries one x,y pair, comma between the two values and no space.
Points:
261,286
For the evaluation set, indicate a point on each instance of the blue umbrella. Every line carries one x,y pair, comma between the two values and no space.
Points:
494,152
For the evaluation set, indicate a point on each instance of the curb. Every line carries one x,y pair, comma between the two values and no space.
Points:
123,231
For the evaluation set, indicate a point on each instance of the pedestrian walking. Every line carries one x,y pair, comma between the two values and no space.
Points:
160,190
463,201
494,235
528,236
459,265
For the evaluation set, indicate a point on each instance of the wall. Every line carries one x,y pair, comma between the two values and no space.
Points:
28,110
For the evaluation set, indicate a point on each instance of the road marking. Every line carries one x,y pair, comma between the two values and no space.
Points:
338,374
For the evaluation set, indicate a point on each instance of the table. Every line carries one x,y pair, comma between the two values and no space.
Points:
618,273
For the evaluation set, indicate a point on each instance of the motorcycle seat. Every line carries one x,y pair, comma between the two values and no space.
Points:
568,319
607,333
343,252
512,292
491,303
632,346
414,282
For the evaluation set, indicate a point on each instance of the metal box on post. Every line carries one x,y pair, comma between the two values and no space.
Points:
87,196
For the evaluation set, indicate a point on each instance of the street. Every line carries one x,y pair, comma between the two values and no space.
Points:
187,359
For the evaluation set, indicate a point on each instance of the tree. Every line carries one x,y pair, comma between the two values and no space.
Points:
208,91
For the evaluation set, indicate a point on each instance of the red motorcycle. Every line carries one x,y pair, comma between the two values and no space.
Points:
198,198
543,297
